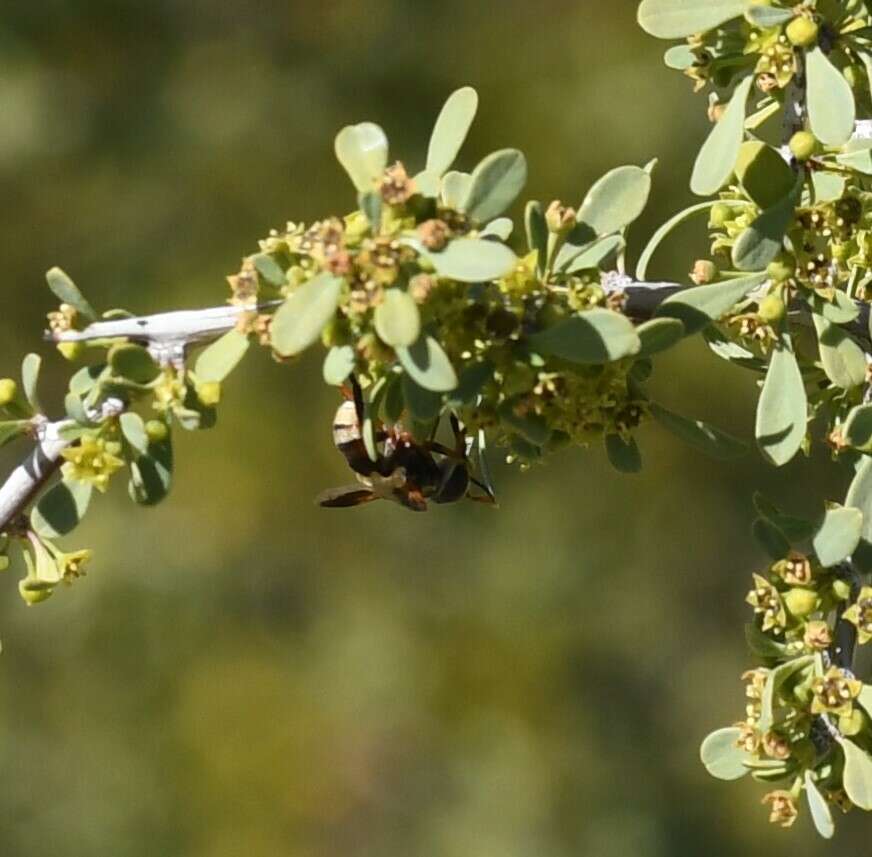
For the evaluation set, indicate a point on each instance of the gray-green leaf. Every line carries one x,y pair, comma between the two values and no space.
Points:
763,240
60,509
363,152
495,184
857,777
30,367
428,365
675,19
473,260
838,536
831,108
698,306
298,322
338,364
133,429
818,808
616,199
66,291
451,129
595,336
220,358
706,438
623,455
717,157
722,756
782,408
659,334
397,319
843,360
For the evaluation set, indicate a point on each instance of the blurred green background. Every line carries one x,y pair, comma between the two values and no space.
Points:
242,673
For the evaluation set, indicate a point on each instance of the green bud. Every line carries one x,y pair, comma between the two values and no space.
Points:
842,590
8,391
852,724
156,430
559,218
33,590
801,602
803,145
771,309
802,32
71,351
209,393
782,269
720,214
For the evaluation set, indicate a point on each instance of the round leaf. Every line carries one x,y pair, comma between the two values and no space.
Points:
857,430
133,363
363,152
397,319
495,184
675,19
843,360
838,536
722,756
298,322
428,365
473,260
857,777
595,336
616,199
763,174
60,509
338,364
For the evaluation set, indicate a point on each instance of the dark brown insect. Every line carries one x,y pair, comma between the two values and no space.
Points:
405,470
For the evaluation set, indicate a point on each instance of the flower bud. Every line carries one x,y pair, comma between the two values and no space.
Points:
560,218
802,32
71,351
209,393
801,602
156,430
8,391
771,309
803,146
720,214
842,589
704,272
782,269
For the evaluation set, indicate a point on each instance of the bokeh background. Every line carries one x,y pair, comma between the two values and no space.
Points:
242,673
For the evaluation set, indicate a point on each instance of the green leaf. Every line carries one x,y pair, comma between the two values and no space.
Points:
298,322
831,108
495,185
83,381
764,174
370,204
722,756
473,260
782,408
706,438
818,808
220,358
623,455
843,360
428,365
397,319
572,259
717,157
840,310
762,644
838,535
151,475
595,336
828,187
133,429
455,189
659,334
857,430
269,269
857,155
679,57
30,367
860,497
675,19
796,529
774,681
60,509
424,405
501,229
616,200
767,17
338,364
132,363
770,538
698,306
11,429
451,129
763,240
363,152
66,291
857,777
394,401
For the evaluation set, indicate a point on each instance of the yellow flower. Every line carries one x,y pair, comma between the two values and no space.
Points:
860,614
766,601
795,569
817,635
835,692
72,565
92,461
